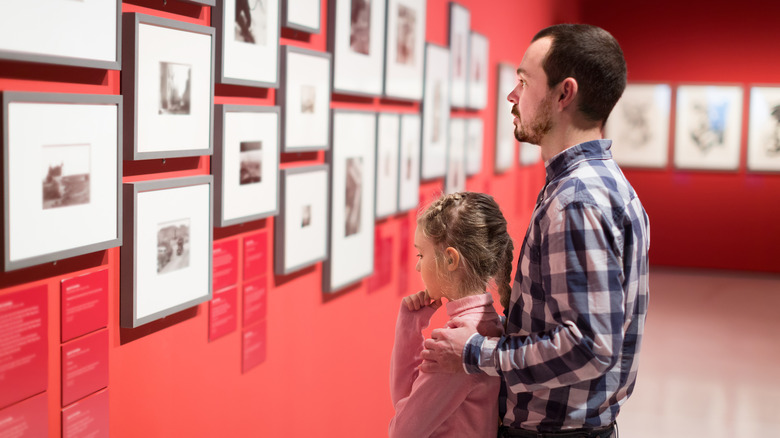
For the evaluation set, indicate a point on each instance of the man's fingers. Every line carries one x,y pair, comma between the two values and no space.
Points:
429,344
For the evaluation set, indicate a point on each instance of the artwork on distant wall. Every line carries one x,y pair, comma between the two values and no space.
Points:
409,162
248,42
302,15
356,38
459,41
529,154
475,128
351,159
436,112
506,143
477,81
301,231
246,163
304,98
387,144
763,152
62,169
455,179
639,126
708,127
78,33
168,86
405,52
166,258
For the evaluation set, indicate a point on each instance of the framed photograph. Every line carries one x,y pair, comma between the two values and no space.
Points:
460,31
409,162
388,143
166,259
246,163
248,42
435,112
475,132
351,159
356,38
708,127
304,98
479,48
301,231
65,32
405,50
168,85
455,180
529,154
303,15
61,175
763,152
639,126
506,143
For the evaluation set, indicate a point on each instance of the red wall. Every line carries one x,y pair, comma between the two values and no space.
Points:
326,368
725,220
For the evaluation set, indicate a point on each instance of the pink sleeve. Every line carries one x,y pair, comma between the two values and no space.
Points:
406,350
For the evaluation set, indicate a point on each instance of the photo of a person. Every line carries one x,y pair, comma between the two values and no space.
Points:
360,27
251,21
405,38
354,196
306,216
175,83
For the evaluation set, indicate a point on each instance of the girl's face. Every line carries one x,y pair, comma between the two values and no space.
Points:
426,265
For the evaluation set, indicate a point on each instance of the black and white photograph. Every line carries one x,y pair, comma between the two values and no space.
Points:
435,112
175,87
66,171
251,162
406,37
247,43
387,156
475,131
360,27
764,129
409,162
438,111
353,196
403,75
173,246
356,38
477,81
304,99
308,98
459,34
455,179
252,21
305,215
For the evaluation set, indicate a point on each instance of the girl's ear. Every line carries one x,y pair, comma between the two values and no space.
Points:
452,258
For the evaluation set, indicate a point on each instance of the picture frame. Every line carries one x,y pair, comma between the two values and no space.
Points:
301,230
247,42
435,112
351,161
528,154
409,162
405,49
455,179
506,143
708,127
304,98
639,126
477,79
302,15
170,219
245,164
459,38
388,143
356,38
168,84
68,33
763,153
73,166
475,133
202,2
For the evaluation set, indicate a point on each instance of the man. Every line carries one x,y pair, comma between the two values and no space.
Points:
576,314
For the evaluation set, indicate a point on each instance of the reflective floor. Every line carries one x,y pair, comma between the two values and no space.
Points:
710,363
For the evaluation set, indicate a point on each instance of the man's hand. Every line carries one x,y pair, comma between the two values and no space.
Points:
443,353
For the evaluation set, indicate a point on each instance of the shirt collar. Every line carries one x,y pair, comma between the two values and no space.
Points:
459,306
563,161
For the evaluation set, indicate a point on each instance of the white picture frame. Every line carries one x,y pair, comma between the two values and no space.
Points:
302,15
166,262
247,42
506,143
168,85
639,126
245,164
477,80
435,112
356,38
351,160
763,153
409,162
455,179
63,150
405,49
388,142
475,133
460,29
83,34
301,231
708,127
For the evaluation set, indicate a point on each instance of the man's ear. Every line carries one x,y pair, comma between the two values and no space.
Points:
451,258
567,92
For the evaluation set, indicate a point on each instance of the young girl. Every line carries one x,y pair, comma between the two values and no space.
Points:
462,244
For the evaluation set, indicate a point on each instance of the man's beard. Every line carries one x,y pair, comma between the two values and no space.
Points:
538,127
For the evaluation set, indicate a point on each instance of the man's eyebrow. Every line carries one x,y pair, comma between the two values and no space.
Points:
521,71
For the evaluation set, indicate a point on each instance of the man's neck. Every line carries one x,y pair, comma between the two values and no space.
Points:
556,142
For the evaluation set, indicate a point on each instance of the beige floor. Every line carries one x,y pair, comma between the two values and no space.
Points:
710,363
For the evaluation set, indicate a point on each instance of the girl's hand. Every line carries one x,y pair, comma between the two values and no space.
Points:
420,300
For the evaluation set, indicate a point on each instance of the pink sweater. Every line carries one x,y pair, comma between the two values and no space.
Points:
436,404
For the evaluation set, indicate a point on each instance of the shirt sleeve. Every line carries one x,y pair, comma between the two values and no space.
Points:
582,276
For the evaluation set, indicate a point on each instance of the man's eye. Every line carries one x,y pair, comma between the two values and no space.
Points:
419,256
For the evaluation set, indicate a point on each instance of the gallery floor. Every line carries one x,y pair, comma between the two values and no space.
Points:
709,359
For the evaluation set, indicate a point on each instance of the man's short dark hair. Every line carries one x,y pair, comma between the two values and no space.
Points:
591,56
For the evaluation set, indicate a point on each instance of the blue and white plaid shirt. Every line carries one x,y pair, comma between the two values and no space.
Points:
579,300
